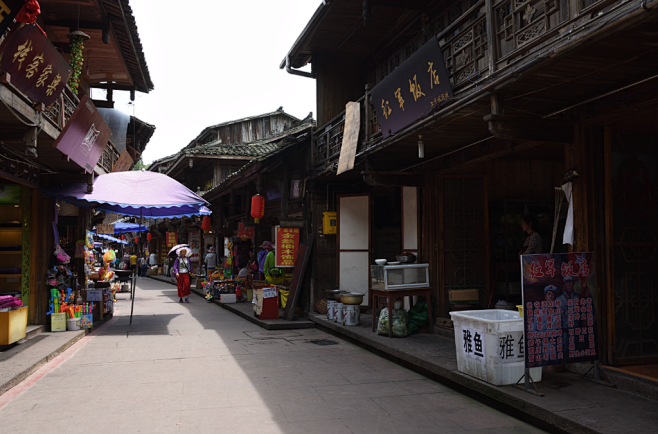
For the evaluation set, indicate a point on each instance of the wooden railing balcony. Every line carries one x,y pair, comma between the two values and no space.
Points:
479,43
56,117
60,112
109,157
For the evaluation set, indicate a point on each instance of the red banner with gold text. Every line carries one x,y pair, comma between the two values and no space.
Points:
287,246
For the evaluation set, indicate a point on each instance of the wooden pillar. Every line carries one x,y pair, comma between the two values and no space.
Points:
491,36
285,189
231,203
247,202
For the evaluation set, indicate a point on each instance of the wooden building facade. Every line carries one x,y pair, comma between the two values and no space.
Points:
538,89
230,162
28,130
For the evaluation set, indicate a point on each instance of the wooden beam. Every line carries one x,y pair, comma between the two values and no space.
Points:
487,152
94,25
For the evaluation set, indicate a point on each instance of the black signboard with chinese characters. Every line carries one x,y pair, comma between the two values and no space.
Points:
8,11
559,308
412,90
34,64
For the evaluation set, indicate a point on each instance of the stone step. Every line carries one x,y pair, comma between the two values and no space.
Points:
33,330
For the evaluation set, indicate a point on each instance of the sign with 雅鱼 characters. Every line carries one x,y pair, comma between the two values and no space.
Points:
287,246
559,308
412,90
473,343
34,65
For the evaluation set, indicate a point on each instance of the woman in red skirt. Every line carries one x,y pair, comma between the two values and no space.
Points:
182,269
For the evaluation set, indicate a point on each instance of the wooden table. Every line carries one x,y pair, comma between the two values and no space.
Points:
391,294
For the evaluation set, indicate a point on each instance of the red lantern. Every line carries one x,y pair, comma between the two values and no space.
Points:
123,237
148,237
136,240
257,207
205,223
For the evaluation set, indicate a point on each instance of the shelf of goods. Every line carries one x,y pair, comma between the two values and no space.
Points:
11,242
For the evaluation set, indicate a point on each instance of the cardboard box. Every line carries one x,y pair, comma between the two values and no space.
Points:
152,271
227,298
13,325
463,295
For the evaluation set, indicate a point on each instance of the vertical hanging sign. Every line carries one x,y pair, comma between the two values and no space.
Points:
85,135
287,246
350,137
172,239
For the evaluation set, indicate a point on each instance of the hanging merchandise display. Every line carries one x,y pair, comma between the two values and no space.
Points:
75,61
257,207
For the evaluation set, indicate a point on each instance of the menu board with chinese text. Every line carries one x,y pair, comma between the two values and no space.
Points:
559,308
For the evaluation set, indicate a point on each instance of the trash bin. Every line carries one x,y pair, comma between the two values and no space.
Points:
490,346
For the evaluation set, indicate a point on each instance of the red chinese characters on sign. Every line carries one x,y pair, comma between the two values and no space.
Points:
34,65
535,270
287,246
172,239
85,135
559,295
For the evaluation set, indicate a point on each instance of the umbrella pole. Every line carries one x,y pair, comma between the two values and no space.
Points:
132,304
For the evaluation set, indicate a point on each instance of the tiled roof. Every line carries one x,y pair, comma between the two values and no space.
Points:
284,144
246,150
223,124
250,150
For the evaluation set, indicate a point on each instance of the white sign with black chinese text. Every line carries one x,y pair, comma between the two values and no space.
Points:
269,292
473,343
510,347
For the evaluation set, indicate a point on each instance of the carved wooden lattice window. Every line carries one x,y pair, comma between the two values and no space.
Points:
465,49
521,22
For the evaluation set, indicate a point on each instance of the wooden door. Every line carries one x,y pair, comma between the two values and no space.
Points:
463,237
354,244
631,183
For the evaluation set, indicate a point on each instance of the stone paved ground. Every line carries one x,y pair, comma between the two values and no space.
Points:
199,368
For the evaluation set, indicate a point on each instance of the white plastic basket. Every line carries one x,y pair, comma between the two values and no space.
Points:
490,345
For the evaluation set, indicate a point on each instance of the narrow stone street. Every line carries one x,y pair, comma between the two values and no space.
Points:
199,368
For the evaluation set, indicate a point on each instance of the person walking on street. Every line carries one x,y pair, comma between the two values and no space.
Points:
133,262
266,248
139,266
145,266
182,269
153,259
211,261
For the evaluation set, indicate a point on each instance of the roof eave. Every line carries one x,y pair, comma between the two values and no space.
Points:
308,32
